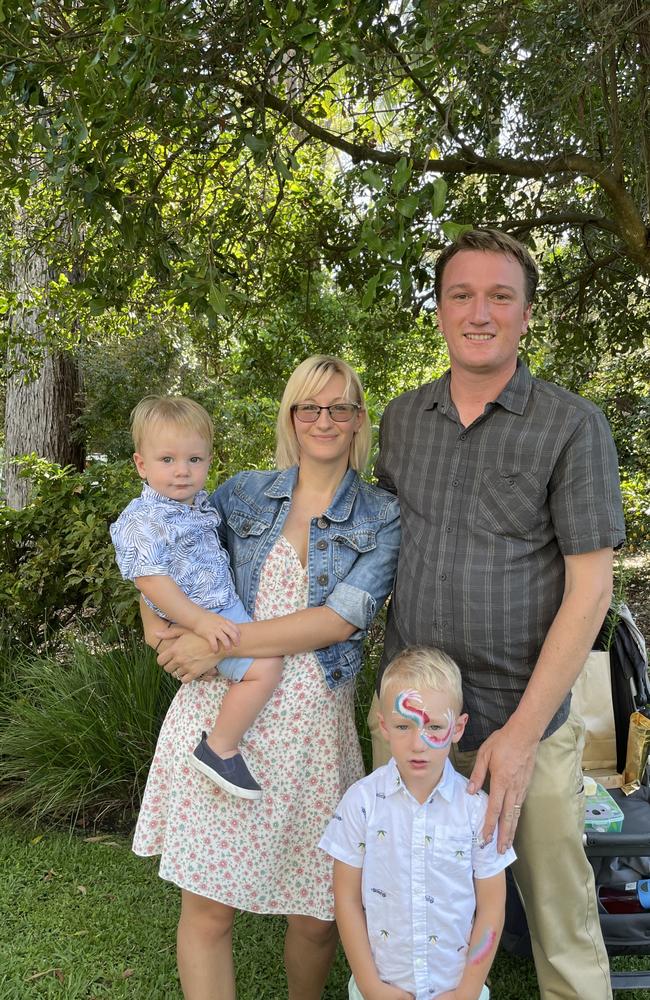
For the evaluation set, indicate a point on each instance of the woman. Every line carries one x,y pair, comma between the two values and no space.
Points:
313,549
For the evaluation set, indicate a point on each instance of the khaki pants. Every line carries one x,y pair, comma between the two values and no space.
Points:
554,878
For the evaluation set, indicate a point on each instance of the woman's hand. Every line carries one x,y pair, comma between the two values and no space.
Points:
186,655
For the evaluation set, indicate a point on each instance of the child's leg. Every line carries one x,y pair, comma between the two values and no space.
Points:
217,755
242,704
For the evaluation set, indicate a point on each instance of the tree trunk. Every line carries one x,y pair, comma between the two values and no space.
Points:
41,409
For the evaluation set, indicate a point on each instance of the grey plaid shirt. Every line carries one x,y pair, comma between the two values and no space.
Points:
488,513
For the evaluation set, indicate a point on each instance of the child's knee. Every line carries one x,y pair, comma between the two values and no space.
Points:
318,932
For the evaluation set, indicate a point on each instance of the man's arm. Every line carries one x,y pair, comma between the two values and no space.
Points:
486,931
351,922
509,753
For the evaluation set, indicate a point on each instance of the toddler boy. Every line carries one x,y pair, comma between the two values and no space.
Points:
419,897
166,541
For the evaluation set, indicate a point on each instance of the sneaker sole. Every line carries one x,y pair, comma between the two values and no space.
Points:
227,786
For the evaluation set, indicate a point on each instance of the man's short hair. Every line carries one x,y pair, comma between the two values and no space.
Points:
305,382
424,667
490,241
152,411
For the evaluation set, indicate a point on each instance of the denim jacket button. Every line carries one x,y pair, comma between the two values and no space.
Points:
322,579
321,544
337,674
246,526
321,523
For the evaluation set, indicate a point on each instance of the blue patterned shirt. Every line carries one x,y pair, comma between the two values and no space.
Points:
156,536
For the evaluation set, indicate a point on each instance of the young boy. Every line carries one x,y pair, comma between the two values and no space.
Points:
166,541
419,897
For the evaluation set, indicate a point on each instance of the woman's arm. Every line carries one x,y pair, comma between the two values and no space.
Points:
190,656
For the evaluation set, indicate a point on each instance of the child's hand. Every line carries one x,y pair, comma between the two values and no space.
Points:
218,631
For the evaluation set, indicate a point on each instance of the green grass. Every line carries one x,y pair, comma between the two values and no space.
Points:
84,919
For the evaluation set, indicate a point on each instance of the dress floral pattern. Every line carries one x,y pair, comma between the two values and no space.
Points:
303,748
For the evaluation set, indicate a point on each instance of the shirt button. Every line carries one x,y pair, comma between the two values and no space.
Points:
321,523
321,544
463,436
449,528
337,674
443,576
455,483
322,579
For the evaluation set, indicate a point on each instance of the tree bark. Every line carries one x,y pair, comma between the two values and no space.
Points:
41,408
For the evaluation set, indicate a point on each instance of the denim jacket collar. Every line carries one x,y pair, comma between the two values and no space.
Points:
340,507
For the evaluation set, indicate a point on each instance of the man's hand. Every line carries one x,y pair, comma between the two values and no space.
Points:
220,632
509,757
188,657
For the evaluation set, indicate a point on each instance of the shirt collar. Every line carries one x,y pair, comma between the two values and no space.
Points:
392,782
200,500
513,397
339,510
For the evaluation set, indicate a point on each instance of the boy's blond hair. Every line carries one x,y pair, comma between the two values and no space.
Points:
306,381
424,667
152,411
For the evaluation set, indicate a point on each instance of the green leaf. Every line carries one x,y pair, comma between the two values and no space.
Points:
372,178
255,143
272,14
114,54
371,290
322,53
408,206
218,300
401,175
439,196
453,230
40,134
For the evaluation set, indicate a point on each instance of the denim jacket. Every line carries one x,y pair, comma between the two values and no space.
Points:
352,554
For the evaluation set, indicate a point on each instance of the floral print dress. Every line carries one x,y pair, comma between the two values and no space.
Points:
260,856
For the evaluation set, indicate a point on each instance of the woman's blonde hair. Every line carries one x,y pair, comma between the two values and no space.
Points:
306,382
180,411
424,666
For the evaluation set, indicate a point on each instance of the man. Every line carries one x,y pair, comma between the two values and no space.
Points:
510,508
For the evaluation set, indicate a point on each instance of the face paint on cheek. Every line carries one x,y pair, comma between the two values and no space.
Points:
482,948
444,739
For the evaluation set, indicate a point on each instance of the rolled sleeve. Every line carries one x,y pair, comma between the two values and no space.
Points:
362,594
141,548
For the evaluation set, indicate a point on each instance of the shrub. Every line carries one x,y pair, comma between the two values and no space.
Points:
57,560
635,490
78,730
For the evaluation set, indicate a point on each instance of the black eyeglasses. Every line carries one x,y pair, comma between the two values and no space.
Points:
340,413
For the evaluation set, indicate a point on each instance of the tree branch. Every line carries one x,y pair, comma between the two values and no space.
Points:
628,220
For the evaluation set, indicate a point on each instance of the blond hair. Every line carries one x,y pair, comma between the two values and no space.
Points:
308,379
180,411
490,241
424,667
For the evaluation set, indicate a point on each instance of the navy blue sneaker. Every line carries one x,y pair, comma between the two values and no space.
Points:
230,773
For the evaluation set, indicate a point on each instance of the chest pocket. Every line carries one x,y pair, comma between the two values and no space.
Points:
452,851
348,546
512,503
246,528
